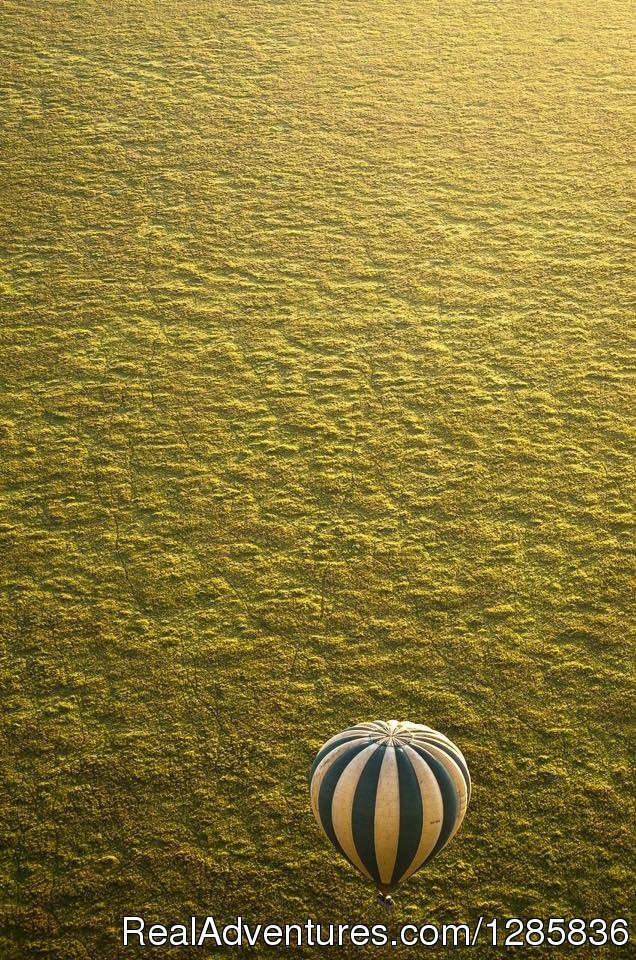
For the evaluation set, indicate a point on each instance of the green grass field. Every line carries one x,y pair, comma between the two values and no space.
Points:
314,408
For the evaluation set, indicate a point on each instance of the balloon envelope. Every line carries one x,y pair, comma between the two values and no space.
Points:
389,795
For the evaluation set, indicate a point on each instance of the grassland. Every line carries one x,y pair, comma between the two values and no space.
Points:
314,407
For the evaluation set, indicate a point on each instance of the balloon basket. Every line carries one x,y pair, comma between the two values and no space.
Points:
385,900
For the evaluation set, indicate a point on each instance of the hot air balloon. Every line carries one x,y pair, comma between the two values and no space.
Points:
389,795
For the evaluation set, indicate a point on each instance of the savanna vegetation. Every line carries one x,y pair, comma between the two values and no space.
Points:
314,408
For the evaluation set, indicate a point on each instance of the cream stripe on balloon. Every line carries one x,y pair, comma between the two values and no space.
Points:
423,735
432,810
342,806
426,741
387,816
458,780
320,772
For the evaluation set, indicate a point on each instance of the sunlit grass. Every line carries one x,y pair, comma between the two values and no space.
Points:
314,407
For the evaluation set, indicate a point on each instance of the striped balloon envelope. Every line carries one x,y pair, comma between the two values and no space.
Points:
389,796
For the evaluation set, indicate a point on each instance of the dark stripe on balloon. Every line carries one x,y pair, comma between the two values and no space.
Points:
450,800
411,815
332,746
363,811
327,788
451,753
